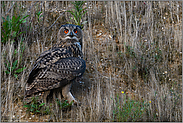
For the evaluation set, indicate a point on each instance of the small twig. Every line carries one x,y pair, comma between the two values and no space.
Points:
10,8
32,5
54,22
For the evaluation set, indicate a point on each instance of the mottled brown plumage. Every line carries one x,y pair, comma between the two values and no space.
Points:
59,66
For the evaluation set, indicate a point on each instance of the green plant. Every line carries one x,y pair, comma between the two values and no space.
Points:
39,15
128,109
158,55
11,32
34,106
64,104
10,29
130,52
47,110
14,67
78,12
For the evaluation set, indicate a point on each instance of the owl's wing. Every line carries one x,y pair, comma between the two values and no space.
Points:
55,74
45,59
66,68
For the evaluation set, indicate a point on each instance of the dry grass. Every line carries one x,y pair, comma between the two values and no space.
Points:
134,47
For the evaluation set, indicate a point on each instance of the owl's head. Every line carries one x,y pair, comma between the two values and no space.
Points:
70,33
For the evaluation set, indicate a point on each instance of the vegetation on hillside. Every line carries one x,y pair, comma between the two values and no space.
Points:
133,53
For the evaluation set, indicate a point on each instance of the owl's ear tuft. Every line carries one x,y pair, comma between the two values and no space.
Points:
79,27
62,26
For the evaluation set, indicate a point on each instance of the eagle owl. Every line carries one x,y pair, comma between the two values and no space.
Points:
60,66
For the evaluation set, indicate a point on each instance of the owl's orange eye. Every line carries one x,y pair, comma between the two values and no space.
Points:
66,31
75,31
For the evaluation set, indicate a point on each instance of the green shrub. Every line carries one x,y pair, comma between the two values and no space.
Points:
64,104
14,67
11,28
34,106
78,12
128,109
11,34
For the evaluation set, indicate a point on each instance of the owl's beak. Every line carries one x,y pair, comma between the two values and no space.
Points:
71,34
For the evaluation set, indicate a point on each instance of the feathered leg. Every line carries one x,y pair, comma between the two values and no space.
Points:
67,94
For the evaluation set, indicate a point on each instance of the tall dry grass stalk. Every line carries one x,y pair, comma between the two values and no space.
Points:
130,47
